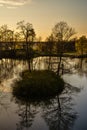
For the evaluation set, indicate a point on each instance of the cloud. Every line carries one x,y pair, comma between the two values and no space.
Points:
10,3
1,4
11,7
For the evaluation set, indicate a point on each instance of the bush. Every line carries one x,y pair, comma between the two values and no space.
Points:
38,84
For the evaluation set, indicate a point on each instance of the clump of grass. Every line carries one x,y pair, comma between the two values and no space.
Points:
38,84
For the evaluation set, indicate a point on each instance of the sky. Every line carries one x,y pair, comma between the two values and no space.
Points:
44,14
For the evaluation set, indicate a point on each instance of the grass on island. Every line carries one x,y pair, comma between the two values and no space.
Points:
38,84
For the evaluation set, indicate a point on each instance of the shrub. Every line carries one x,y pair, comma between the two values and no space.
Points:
38,84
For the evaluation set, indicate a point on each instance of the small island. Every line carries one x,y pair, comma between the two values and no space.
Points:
38,85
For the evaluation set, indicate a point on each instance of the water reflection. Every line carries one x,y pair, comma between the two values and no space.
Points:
69,65
9,72
27,113
41,63
58,112
53,114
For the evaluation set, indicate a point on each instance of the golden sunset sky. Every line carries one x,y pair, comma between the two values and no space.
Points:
44,14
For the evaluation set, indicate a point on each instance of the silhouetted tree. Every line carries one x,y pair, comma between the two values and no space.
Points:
6,35
28,34
50,44
61,32
49,47
81,45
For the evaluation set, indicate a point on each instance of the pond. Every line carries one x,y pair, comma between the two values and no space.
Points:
66,111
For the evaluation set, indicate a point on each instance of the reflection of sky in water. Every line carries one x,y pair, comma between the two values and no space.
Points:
9,73
10,69
80,100
8,108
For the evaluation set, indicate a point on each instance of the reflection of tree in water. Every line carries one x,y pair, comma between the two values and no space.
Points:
27,114
78,66
82,67
67,65
11,67
6,66
59,114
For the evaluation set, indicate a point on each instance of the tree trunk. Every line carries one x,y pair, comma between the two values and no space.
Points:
59,64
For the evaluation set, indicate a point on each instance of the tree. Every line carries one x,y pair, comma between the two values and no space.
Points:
81,45
28,34
49,44
61,32
6,35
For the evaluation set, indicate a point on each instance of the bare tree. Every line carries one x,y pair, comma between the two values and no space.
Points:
61,32
49,44
81,45
28,34
6,35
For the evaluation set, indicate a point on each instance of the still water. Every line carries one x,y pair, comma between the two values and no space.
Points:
65,112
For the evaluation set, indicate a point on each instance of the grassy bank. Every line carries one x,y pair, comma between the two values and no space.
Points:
38,84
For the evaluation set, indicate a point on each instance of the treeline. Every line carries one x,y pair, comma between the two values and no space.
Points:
61,40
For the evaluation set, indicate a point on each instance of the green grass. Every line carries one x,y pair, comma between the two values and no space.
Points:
38,84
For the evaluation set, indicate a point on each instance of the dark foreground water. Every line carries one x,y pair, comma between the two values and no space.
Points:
65,112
